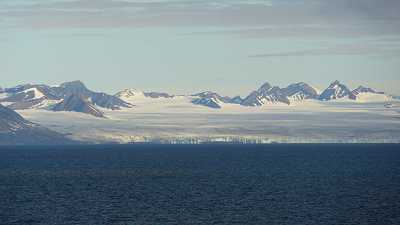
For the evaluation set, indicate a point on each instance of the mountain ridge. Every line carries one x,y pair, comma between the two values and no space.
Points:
31,96
28,96
76,103
16,130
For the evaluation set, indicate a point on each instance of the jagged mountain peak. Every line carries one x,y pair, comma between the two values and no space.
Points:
208,102
98,98
363,89
210,99
32,96
300,91
132,94
29,96
336,82
129,92
366,94
266,86
77,103
207,94
336,90
264,95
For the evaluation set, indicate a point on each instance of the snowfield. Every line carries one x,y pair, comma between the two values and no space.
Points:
3,95
370,97
36,93
177,120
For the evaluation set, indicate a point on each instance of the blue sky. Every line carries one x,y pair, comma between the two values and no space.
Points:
185,46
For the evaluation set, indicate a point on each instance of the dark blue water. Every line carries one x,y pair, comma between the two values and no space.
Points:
201,184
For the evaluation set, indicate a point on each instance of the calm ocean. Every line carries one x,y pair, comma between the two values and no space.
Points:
326,184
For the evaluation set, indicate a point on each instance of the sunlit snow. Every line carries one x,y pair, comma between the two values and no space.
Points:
175,119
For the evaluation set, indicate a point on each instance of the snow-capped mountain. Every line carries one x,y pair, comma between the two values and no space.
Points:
97,98
362,89
75,103
14,129
336,90
300,91
210,99
130,95
365,94
30,96
158,114
266,94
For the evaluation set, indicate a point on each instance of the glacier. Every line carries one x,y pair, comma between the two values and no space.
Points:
177,120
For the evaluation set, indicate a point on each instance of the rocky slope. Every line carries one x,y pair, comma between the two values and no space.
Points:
43,96
15,130
76,103
97,98
210,99
300,91
336,90
266,94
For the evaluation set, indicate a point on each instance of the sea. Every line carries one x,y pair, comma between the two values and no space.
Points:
146,184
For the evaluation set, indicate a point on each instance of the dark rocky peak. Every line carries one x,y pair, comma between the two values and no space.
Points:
362,89
10,120
265,87
78,103
336,90
77,84
300,91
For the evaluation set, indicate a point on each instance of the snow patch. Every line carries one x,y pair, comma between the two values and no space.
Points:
3,95
7,103
130,95
36,93
372,97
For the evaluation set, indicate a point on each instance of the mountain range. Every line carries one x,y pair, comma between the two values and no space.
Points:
137,115
69,96
297,92
75,96
210,99
129,93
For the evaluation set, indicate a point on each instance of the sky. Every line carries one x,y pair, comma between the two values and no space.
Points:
187,46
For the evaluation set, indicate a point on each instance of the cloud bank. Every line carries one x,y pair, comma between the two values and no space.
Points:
296,17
